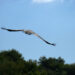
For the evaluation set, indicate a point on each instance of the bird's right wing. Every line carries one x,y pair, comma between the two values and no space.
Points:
11,30
43,39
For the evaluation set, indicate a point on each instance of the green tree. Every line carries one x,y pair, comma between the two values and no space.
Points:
12,63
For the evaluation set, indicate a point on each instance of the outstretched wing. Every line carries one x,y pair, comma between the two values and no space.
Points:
11,30
44,39
29,32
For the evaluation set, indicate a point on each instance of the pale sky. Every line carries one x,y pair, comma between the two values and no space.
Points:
54,20
47,1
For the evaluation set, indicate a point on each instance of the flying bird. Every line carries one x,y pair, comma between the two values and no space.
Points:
29,32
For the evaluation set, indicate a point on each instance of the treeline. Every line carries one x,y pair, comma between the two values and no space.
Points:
12,63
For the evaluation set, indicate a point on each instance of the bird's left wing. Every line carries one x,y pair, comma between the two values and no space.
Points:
12,30
43,39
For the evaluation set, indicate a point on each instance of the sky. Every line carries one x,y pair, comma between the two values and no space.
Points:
54,20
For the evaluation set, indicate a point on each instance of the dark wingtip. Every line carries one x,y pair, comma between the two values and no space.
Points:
53,44
2,28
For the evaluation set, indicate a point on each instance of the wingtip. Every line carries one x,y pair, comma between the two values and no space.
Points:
53,44
2,28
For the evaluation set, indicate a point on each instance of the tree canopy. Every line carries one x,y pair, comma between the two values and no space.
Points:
12,63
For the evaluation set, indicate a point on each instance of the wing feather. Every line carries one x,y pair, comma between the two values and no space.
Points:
44,39
11,30
29,32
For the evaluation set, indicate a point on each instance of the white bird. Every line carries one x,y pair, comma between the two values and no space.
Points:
29,32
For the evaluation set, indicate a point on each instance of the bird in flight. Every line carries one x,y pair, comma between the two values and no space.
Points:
29,32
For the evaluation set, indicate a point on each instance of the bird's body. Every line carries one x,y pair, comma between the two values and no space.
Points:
29,32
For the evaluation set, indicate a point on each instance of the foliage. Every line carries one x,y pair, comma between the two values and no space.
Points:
12,63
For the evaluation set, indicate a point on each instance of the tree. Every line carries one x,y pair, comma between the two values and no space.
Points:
12,63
